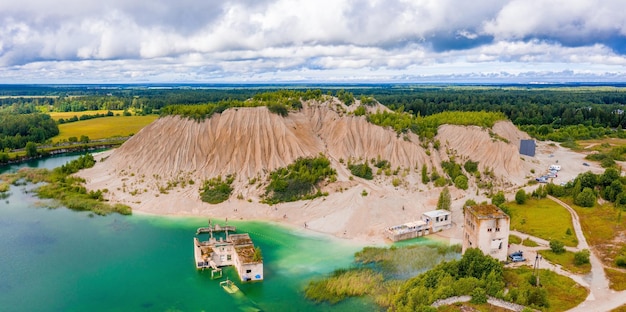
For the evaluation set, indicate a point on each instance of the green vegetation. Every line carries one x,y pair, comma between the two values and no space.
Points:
474,270
513,239
557,246
617,279
216,190
426,127
66,189
16,130
556,292
298,180
361,170
542,218
445,201
568,260
345,283
278,102
378,273
529,243
520,197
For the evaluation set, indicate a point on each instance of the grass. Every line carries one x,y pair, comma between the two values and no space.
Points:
542,218
515,240
562,292
105,127
602,226
529,243
617,279
565,260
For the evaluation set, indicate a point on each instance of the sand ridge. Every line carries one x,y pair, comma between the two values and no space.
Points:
152,171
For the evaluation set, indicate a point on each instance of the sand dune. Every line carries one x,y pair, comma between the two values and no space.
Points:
152,170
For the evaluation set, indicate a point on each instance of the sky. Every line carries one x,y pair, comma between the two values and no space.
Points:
248,41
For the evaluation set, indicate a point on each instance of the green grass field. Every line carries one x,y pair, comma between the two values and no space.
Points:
566,260
105,127
543,218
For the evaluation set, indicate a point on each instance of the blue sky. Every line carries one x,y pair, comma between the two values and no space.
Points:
117,41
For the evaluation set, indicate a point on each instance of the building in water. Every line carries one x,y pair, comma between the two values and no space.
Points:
226,249
431,221
486,227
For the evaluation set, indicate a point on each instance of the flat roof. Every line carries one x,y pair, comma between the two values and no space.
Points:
436,213
486,211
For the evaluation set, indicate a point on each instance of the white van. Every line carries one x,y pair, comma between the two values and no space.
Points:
555,167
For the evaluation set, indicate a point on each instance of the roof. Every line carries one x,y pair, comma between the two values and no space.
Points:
486,212
436,213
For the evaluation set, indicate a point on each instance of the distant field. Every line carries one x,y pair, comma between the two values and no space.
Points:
105,127
66,115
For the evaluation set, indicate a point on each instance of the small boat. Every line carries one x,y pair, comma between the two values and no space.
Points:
229,286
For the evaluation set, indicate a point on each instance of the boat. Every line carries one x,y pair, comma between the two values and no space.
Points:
229,286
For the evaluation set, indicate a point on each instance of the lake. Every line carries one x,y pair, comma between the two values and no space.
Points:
63,260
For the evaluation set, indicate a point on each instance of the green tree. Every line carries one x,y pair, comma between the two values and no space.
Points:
586,198
520,197
445,200
31,149
557,246
581,257
425,178
461,182
84,139
479,296
498,199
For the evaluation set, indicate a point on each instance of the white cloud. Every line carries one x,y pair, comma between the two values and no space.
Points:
119,40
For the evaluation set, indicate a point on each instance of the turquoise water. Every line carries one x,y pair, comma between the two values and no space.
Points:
63,260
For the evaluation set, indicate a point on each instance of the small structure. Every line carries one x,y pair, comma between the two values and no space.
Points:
486,227
438,220
432,221
527,147
230,249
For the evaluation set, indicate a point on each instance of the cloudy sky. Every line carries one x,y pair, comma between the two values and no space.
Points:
86,41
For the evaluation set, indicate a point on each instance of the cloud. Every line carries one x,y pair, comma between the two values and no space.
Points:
161,40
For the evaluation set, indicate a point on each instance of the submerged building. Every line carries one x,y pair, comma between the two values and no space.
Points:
431,221
486,227
230,249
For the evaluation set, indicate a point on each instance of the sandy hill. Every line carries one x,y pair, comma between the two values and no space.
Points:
152,171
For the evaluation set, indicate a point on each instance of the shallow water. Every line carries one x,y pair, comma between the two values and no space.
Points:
63,260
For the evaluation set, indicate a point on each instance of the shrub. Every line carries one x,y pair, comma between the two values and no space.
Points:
361,170
461,182
520,197
479,296
620,261
298,180
557,246
498,199
581,257
471,166
586,198
444,200
216,191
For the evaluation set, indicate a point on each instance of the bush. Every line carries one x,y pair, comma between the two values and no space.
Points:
461,182
498,199
471,166
581,257
479,296
557,246
586,198
620,261
361,170
298,180
520,197
216,191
